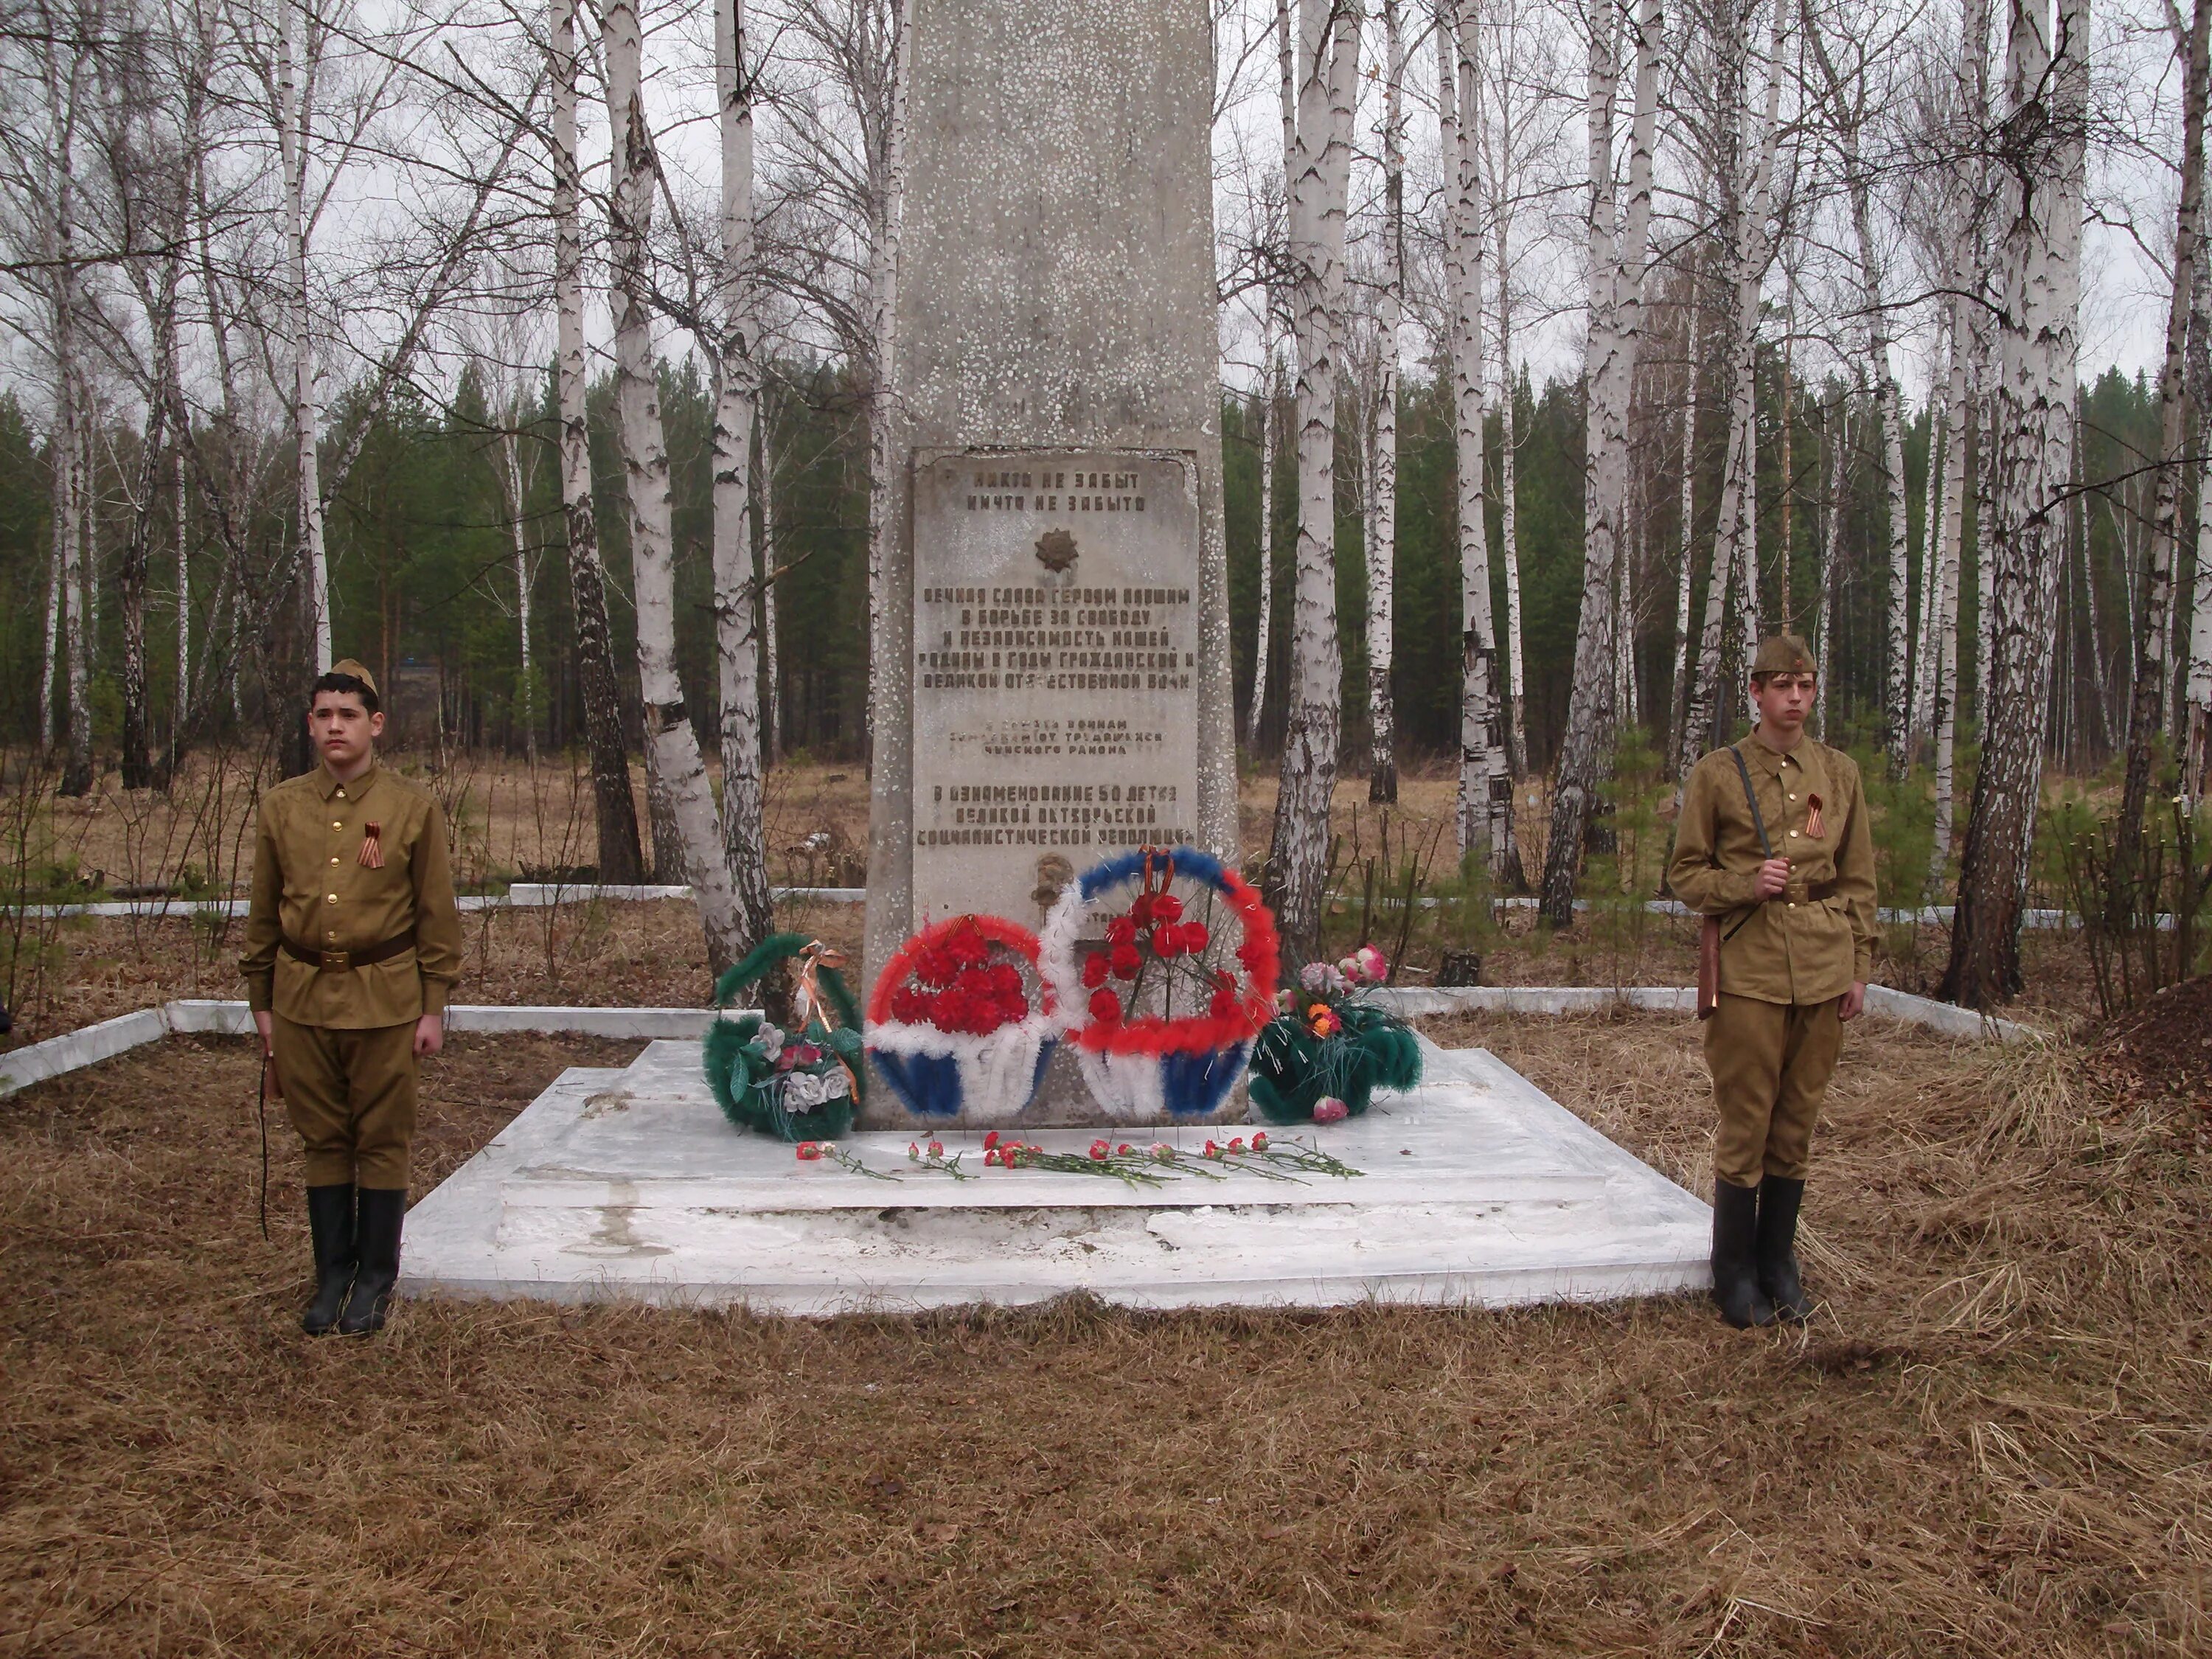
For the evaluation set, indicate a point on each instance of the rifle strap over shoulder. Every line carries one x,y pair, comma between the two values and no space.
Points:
1757,822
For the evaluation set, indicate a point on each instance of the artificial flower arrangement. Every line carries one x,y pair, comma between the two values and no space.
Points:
1321,1060
800,1085
1172,980
962,1023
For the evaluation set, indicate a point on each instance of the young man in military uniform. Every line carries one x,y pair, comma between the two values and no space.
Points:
1774,847
352,945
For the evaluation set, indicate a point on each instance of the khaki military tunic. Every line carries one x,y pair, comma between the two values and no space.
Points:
1773,1043
344,1035
1796,948
310,886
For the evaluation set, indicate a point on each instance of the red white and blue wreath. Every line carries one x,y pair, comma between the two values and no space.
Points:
1171,958
962,1023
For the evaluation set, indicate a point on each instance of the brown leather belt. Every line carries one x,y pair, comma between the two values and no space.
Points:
338,962
1822,890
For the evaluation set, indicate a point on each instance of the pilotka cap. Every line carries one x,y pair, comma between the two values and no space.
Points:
1783,653
348,666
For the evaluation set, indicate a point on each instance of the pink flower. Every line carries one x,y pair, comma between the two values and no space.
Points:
914,1152
1099,1150
1121,1150
1160,1152
1374,966
1329,1109
937,1148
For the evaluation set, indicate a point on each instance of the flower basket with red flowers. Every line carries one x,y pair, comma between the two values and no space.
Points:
1171,957
963,1022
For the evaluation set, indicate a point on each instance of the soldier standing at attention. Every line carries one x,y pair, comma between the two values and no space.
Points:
1773,848
352,944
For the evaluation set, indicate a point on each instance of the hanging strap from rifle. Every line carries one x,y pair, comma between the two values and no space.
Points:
1757,822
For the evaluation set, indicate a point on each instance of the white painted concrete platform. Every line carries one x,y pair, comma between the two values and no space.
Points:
628,1183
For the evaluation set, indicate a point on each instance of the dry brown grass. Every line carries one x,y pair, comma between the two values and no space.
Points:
1992,1439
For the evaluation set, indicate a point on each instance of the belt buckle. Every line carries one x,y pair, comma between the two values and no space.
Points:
337,962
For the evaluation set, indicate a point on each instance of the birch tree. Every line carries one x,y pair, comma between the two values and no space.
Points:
1485,804
2039,154
1382,423
1298,863
1847,96
674,763
1617,240
1746,207
2154,663
1273,306
620,856
1966,241
737,379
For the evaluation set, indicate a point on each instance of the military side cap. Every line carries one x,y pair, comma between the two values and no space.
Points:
348,666
1783,653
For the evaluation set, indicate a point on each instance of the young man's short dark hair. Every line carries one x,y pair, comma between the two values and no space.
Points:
334,681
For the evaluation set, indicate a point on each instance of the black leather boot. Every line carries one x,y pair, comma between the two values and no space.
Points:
381,1209
330,1220
1777,1246
1735,1282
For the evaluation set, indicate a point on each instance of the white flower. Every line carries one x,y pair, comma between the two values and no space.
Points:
769,1039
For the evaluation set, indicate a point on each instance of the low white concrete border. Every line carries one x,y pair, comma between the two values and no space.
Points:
522,895
36,1062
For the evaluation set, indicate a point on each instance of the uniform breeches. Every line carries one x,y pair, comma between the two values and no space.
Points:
1770,1062
351,1096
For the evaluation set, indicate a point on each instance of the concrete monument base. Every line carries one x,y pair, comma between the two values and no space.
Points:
1479,1189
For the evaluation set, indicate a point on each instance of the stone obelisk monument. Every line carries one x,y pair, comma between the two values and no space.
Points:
1051,655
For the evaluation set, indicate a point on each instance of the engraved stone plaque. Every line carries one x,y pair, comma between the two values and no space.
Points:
1056,614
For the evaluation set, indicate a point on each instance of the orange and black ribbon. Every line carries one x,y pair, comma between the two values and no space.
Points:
372,846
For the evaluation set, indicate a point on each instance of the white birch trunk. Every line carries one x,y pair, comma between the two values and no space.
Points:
736,380
1298,864
2146,706
2041,171
1616,249
1485,783
2196,743
1382,427
771,640
1516,754
1939,446
1287,95
511,470
676,766
295,123
884,231
1832,542
1679,681
58,446
1733,549
621,859
1261,643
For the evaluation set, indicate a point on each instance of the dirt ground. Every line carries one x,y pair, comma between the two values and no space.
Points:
1992,1438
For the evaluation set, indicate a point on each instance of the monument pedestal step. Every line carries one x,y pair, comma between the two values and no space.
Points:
1478,1189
